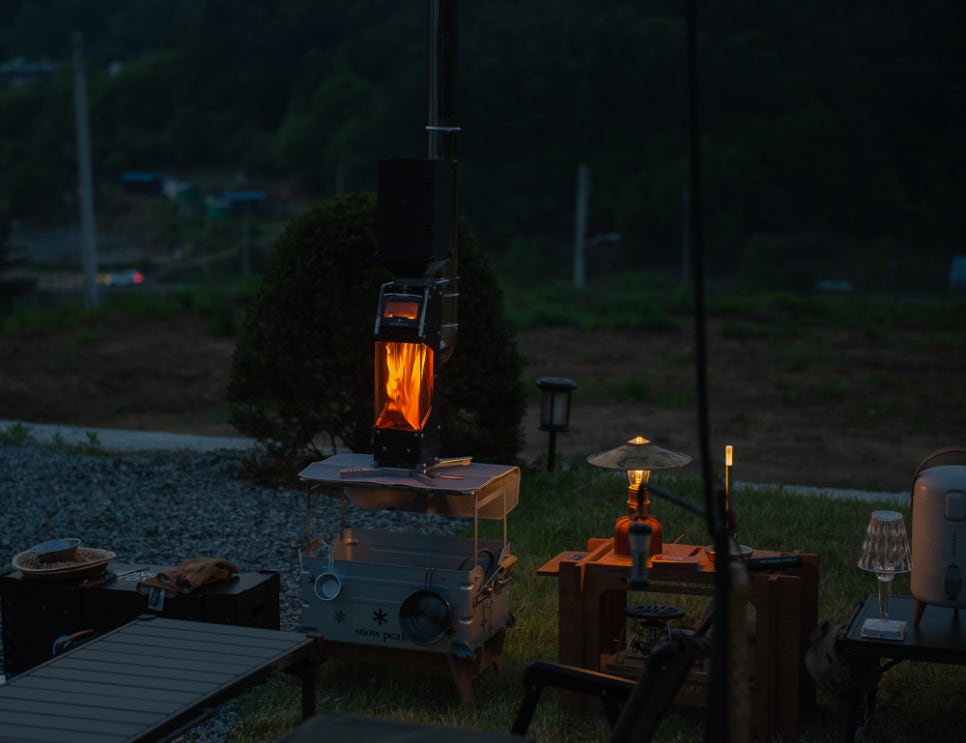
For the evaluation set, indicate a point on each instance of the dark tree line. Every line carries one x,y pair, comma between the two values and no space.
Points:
832,133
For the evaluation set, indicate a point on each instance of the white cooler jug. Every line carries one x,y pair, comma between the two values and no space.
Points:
939,534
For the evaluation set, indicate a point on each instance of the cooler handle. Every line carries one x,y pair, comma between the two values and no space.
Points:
924,462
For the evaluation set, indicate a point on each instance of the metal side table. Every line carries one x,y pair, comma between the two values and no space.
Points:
939,638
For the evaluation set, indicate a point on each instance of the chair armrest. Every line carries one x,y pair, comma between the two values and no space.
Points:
651,694
540,674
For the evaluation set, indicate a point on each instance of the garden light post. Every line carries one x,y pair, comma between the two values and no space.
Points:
555,410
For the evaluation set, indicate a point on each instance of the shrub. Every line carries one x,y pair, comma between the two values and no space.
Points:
304,363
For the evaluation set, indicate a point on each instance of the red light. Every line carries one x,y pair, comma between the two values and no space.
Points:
138,277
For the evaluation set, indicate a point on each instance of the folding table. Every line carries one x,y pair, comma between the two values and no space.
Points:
150,680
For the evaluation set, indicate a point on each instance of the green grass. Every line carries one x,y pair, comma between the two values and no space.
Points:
632,301
559,511
219,310
655,302
17,434
797,357
635,387
676,398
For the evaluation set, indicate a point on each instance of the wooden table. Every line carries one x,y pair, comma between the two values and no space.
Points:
149,680
592,590
939,638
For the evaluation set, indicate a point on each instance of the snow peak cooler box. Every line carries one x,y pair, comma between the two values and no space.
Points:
401,598
35,613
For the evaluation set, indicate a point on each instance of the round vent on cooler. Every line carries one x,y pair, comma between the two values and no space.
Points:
425,617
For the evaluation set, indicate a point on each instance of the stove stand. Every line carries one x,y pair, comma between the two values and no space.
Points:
411,595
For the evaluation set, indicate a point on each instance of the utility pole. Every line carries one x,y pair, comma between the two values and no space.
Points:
85,180
340,179
246,242
580,227
685,238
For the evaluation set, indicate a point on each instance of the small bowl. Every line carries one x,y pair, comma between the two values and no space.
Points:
56,550
739,552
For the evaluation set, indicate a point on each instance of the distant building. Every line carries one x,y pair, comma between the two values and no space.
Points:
144,183
217,208
240,202
19,71
181,192
840,286
957,274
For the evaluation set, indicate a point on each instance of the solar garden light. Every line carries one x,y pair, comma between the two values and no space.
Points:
555,410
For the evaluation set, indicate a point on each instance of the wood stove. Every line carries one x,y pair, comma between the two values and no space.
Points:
415,228
407,593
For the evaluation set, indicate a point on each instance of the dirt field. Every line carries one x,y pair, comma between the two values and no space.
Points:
840,409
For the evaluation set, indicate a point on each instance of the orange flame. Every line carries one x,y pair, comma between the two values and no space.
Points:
404,396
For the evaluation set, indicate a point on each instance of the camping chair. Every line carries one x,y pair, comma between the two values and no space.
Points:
633,708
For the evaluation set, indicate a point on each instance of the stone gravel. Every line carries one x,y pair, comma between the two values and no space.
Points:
162,508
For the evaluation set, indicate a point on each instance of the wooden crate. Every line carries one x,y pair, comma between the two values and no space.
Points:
593,588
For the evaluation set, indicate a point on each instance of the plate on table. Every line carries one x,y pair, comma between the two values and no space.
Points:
87,561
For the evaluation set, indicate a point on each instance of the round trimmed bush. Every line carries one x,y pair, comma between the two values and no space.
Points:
303,370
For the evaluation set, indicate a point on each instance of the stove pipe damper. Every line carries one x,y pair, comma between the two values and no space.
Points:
416,321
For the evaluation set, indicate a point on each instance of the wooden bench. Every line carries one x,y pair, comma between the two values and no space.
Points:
150,680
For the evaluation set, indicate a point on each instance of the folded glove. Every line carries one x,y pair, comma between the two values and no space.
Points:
189,576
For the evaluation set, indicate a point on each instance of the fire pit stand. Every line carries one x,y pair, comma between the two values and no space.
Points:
430,601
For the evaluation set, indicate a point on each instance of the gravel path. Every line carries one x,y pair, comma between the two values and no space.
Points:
162,508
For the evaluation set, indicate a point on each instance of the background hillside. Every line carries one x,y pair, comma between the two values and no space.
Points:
834,136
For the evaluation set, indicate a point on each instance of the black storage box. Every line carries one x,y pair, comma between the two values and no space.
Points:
35,613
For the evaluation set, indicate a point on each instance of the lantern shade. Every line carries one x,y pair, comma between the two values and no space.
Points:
638,454
885,548
555,403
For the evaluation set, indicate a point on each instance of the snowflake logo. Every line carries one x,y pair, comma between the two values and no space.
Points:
379,616
340,617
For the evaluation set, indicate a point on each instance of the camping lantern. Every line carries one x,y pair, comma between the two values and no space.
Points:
638,457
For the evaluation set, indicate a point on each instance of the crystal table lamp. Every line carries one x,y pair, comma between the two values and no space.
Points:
885,552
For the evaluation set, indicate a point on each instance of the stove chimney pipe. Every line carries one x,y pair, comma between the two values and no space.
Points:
443,129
